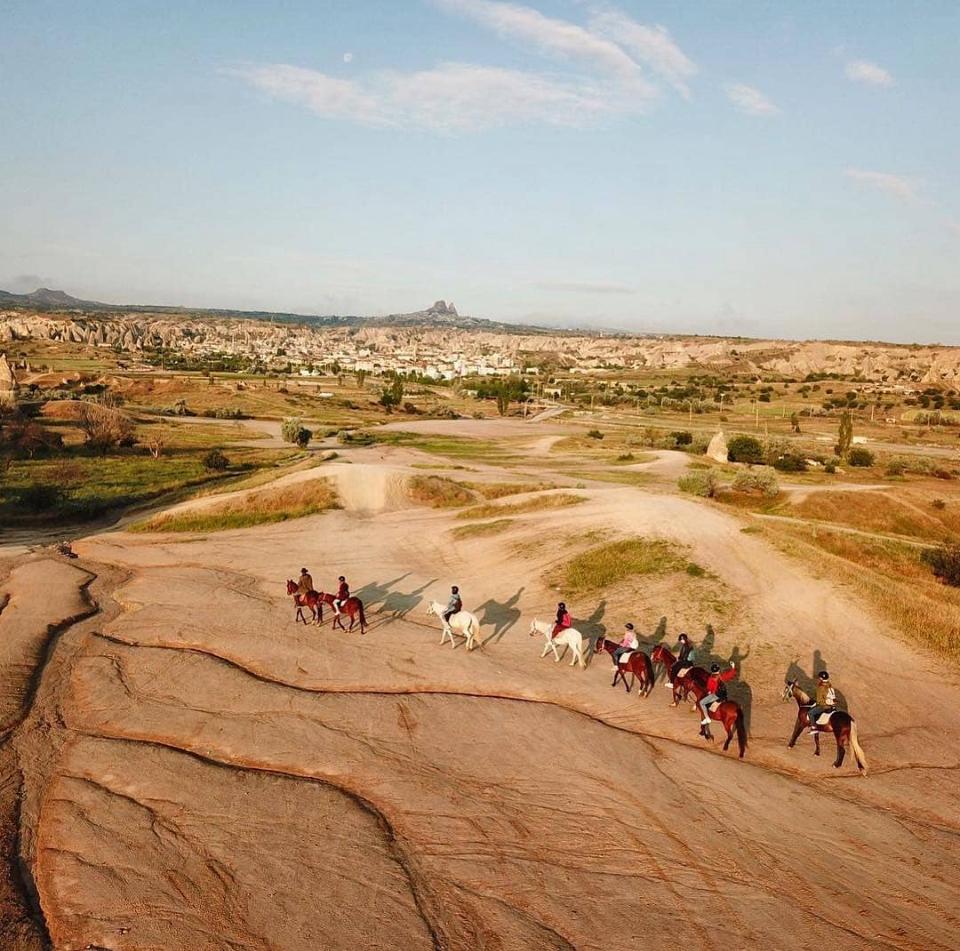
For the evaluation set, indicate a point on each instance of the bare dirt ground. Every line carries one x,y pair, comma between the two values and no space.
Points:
190,769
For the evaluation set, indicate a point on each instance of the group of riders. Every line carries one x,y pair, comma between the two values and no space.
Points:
305,587
826,696
716,689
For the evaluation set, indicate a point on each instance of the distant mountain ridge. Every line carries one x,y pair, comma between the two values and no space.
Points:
440,313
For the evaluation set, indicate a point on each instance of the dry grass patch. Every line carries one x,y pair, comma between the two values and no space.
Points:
439,492
615,562
499,490
881,512
482,529
256,508
888,575
536,504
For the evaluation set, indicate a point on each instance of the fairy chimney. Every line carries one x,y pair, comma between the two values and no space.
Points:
8,382
717,450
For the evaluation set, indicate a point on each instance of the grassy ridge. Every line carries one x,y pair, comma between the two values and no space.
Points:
482,529
610,564
536,504
255,508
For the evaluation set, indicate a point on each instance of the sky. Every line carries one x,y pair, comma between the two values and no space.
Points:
744,167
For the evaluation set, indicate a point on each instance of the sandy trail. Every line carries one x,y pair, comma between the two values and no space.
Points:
223,766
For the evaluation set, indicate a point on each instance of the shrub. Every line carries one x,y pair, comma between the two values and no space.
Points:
745,449
294,431
939,504
860,457
896,467
944,562
105,427
682,438
595,434
439,492
943,474
626,457
790,463
762,481
704,484
39,497
216,461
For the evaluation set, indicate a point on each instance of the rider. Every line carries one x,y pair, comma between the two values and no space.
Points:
343,594
454,605
685,656
826,700
629,643
305,584
715,688
563,620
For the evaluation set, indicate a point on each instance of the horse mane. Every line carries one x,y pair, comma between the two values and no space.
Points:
801,695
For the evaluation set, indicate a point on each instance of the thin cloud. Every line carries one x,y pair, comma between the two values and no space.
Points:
906,189
652,45
450,97
867,73
556,37
749,100
605,76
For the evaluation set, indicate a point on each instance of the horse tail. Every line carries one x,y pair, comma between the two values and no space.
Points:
857,748
741,732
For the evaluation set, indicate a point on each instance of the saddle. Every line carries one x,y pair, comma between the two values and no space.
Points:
624,658
824,718
683,671
713,706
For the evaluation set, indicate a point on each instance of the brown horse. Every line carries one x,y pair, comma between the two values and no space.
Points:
310,600
352,607
842,725
729,713
681,685
637,664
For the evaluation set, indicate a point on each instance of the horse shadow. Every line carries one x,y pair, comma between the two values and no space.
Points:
739,689
374,592
502,615
400,603
592,628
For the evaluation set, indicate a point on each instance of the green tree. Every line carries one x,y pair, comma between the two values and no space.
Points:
845,435
745,449
795,422
392,394
360,375
292,430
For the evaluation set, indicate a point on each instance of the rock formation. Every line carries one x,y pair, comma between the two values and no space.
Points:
717,450
8,382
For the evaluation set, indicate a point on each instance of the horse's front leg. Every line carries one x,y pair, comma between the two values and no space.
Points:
796,733
616,677
816,743
726,745
546,647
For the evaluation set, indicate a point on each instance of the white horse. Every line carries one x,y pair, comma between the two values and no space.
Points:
570,637
462,623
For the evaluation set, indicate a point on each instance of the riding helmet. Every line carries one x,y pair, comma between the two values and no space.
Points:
684,638
714,668
628,626
341,578
303,571
562,605
455,589
823,675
